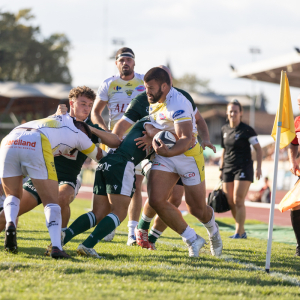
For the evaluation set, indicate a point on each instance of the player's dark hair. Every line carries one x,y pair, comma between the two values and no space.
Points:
235,102
83,127
159,75
124,50
82,91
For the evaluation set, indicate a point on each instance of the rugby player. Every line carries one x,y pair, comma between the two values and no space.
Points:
68,166
113,189
170,110
116,92
29,150
137,109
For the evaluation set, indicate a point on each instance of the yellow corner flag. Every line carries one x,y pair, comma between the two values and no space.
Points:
284,115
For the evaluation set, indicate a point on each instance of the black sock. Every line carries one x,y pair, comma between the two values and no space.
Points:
295,219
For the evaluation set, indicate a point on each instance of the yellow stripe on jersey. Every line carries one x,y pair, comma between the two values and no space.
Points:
48,157
182,120
197,153
89,150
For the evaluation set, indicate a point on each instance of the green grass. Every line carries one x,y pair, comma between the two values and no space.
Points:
135,273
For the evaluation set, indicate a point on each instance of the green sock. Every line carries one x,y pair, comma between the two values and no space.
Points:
81,224
144,222
154,235
105,227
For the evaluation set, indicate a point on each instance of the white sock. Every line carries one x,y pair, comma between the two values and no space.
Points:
64,229
131,225
145,218
211,226
11,208
189,235
53,222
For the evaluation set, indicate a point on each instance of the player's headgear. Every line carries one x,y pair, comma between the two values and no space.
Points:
125,52
159,75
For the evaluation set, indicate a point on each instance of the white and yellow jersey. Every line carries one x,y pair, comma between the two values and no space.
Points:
175,109
63,135
118,93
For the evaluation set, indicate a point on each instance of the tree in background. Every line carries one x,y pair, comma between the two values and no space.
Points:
192,84
25,56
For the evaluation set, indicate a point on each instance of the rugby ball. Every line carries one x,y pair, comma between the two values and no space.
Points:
167,137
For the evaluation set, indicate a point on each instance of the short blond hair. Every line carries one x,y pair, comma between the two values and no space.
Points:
82,91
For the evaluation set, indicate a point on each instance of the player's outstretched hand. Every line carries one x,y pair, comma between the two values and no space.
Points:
144,141
161,149
208,144
61,109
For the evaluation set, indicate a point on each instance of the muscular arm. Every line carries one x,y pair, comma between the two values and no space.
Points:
184,132
259,160
292,153
121,127
107,138
96,112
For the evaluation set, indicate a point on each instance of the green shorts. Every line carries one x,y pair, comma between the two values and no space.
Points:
29,187
115,174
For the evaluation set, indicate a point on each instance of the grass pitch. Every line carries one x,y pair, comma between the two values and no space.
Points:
135,273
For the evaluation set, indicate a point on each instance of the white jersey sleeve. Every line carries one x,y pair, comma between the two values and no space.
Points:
102,92
86,146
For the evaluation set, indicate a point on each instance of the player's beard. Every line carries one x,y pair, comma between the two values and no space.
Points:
156,97
127,72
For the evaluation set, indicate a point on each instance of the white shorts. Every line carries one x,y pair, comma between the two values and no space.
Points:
27,152
189,165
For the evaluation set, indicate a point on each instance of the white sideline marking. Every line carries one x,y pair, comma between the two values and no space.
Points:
144,194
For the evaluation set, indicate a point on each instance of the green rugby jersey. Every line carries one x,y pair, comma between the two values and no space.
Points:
128,147
139,106
69,166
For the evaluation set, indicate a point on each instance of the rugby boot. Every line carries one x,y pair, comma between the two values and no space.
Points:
216,245
89,252
131,240
142,237
110,236
49,247
10,243
195,246
151,246
237,236
57,253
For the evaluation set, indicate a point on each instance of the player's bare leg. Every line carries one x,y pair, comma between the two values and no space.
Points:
228,190
134,209
159,225
65,198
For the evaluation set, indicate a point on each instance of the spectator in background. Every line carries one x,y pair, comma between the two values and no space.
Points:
236,165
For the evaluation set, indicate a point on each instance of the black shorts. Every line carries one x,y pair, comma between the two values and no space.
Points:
179,182
244,173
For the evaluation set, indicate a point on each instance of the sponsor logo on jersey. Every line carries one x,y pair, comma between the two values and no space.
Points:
242,175
128,84
155,163
178,113
236,136
115,187
161,116
188,175
103,167
140,88
20,143
129,92
121,109
117,88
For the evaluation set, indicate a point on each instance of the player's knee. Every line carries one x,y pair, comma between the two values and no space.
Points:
64,199
239,202
155,203
175,199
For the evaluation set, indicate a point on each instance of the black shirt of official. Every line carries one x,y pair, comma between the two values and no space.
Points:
236,144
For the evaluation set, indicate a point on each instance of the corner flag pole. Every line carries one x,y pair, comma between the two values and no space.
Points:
271,217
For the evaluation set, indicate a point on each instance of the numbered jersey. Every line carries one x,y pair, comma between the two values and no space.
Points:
175,109
118,93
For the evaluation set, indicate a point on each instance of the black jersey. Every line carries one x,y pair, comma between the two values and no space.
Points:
236,144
